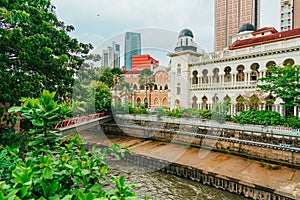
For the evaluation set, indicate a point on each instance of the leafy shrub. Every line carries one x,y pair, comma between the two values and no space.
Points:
260,117
205,114
56,169
175,113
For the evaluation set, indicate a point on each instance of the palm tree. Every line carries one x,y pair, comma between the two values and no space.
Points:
126,90
146,80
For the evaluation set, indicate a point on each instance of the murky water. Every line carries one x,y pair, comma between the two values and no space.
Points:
163,186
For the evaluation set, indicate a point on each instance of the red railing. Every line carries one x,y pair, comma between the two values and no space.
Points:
81,120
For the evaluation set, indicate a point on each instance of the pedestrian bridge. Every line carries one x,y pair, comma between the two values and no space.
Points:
82,122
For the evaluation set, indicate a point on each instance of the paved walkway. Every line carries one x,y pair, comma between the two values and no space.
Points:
284,180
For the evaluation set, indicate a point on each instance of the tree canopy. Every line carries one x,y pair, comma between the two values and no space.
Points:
36,51
284,83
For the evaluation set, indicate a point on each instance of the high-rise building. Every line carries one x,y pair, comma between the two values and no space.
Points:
230,15
290,14
111,56
132,47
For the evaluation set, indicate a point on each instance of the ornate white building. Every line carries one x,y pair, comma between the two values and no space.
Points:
198,80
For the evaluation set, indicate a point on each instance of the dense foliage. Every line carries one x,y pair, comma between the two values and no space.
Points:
52,168
263,117
36,51
284,82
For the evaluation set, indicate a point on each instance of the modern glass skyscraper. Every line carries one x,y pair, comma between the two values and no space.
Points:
111,56
132,47
230,15
290,14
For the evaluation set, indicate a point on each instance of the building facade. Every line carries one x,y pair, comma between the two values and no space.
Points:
290,14
141,62
132,47
111,56
200,80
158,96
230,15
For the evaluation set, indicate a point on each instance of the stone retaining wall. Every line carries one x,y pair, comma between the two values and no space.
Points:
252,191
272,155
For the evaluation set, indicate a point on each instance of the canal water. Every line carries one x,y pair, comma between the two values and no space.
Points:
162,186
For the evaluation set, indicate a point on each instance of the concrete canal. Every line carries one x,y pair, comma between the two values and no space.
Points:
231,173
159,185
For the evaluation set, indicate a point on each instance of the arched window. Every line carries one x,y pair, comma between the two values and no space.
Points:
179,69
204,76
289,61
138,100
269,102
156,102
204,104
216,75
240,103
178,89
227,77
254,73
166,87
254,102
195,77
165,102
146,102
195,104
241,75
135,87
155,87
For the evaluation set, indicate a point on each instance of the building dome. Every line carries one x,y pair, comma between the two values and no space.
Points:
186,33
246,27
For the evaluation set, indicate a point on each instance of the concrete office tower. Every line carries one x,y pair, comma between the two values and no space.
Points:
111,56
132,47
290,14
230,15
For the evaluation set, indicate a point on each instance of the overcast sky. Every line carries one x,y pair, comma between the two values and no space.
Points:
97,21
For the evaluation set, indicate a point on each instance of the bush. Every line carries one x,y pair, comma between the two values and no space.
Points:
259,117
56,169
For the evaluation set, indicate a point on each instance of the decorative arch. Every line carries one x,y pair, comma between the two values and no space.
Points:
268,65
177,103
195,104
195,77
227,77
240,103
254,72
216,78
215,98
156,102
289,61
178,69
204,104
166,87
204,76
240,75
270,99
146,102
254,102
165,102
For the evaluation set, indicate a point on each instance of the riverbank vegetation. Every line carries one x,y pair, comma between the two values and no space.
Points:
44,166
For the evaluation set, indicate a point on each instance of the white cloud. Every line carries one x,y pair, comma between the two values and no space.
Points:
118,16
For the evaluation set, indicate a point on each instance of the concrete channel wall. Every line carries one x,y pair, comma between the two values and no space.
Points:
254,145
252,191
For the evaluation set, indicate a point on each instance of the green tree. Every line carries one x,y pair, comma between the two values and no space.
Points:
36,51
146,81
110,76
102,97
284,83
